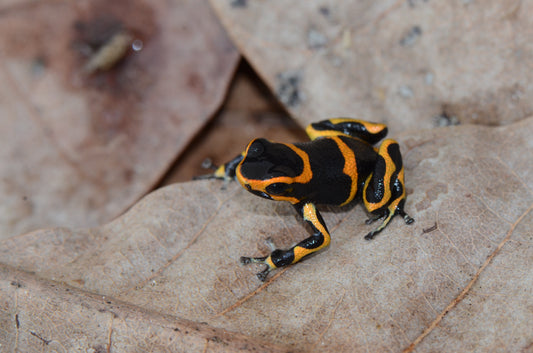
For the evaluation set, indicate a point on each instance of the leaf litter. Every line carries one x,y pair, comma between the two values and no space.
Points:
95,104
166,271
175,255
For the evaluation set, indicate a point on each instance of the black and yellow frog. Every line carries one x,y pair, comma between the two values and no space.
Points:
337,166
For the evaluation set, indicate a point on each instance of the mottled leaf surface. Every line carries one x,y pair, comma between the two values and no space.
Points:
410,64
165,274
78,147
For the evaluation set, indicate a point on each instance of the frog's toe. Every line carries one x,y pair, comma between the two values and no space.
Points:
245,260
372,234
260,260
249,260
406,218
263,274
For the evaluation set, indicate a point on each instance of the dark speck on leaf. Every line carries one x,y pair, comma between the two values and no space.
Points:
288,88
411,36
238,3
324,10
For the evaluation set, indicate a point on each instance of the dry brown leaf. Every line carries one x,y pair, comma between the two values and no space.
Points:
249,109
165,275
410,64
79,147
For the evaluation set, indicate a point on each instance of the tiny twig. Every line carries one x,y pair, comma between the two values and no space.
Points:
430,229
45,341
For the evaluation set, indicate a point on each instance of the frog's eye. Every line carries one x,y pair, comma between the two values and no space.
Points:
256,149
277,188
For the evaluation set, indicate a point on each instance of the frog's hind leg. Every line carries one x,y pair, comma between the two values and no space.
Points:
364,130
384,191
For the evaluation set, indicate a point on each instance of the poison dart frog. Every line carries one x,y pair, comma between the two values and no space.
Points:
337,166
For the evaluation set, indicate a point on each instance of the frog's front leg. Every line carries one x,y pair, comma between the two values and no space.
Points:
279,258
226,171
384,190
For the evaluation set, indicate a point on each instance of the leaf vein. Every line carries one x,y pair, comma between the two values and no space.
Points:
468,287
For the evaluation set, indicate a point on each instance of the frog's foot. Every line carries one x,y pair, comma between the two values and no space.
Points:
278,258
406,218
207,164
389,214
245,260
225,172
219,172
258,260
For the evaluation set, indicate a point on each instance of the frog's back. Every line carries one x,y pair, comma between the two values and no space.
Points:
339,165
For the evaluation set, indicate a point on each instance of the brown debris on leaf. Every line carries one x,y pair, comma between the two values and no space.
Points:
97,99
404,63
174,258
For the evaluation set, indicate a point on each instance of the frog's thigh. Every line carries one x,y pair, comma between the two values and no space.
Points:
384,188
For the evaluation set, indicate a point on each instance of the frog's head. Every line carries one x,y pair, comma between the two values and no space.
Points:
272,170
